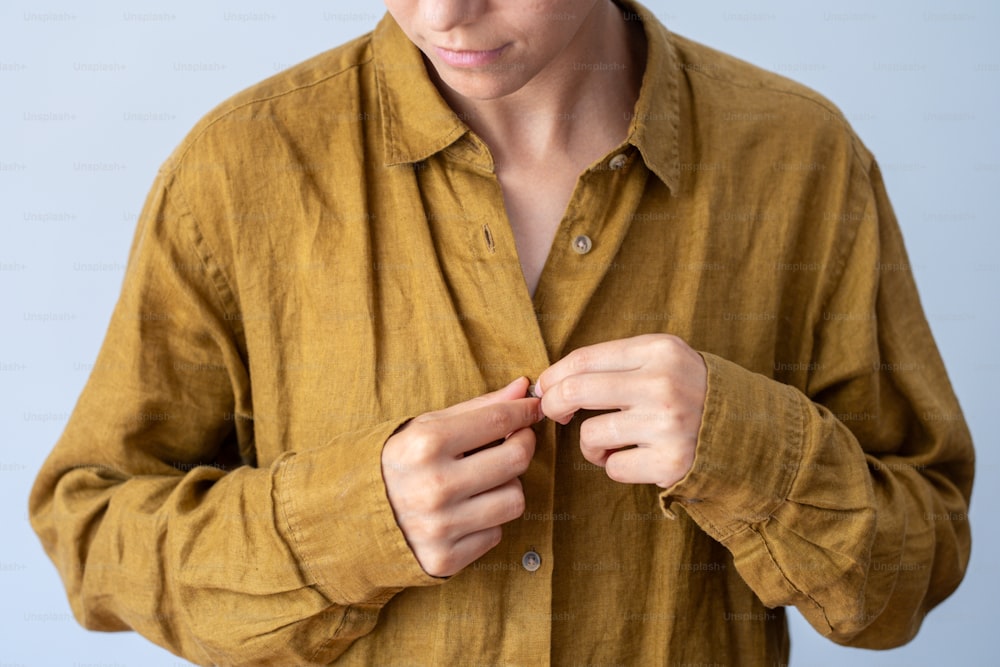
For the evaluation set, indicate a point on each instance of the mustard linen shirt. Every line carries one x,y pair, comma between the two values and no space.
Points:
327,255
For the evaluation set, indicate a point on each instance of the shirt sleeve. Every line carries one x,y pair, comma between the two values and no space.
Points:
154,513
848,498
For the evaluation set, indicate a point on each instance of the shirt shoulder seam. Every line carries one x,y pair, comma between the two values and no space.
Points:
173,163
816,98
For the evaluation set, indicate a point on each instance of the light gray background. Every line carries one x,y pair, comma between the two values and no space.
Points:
920,81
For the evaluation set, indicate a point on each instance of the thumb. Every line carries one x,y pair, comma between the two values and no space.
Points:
513,391
516,389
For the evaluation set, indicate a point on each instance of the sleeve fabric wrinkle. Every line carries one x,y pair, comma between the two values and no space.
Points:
327,255
167,533
865,489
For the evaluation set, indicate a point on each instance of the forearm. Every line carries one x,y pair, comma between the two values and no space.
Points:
252,566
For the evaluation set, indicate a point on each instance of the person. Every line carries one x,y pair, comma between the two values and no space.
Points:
309,435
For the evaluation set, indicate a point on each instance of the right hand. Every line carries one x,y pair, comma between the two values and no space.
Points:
450,500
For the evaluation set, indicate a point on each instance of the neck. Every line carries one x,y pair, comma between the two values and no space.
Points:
584,97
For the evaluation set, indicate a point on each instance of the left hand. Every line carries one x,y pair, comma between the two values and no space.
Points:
655,381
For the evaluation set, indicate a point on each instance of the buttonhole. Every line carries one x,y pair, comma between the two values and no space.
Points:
488,235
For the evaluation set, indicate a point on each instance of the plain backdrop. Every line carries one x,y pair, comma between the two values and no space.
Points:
94,95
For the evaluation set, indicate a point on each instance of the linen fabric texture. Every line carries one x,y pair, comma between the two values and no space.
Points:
327,255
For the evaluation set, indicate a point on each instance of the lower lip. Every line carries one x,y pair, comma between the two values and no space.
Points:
469,58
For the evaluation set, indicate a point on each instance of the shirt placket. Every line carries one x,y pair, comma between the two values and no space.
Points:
592,230
524,335
479,258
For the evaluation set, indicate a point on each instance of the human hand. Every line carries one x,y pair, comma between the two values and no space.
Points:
655,381
450,494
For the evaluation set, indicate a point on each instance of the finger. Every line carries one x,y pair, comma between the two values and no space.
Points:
603,434
615,430
469,430
592,391
622,354
516,389
476,525
492,467
663,465
465,551
490,508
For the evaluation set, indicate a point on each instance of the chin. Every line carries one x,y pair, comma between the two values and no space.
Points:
485,85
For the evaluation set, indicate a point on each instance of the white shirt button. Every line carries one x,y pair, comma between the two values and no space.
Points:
531,561
582,244
617,162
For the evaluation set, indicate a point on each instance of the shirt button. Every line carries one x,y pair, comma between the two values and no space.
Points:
617,162
582,244
531,561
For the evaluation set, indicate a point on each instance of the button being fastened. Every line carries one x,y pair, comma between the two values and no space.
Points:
617,162
582,244
531,561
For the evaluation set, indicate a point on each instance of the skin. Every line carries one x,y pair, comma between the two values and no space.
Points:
448,501
450,493
656,382
544,117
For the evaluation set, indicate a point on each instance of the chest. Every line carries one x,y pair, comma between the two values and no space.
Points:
535,202
412,298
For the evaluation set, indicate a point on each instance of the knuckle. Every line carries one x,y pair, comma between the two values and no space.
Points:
516,504
571,389
420,420
590,430
509,502
499,420
437,563
591,453
436,529
614,471
588,452
493,537
580,358
519,456
423,445
664,346
438,490
617,467
418,498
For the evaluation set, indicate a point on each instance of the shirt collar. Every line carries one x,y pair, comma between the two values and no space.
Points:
417,122
656,118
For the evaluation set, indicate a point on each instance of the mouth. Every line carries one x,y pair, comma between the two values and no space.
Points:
468,59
